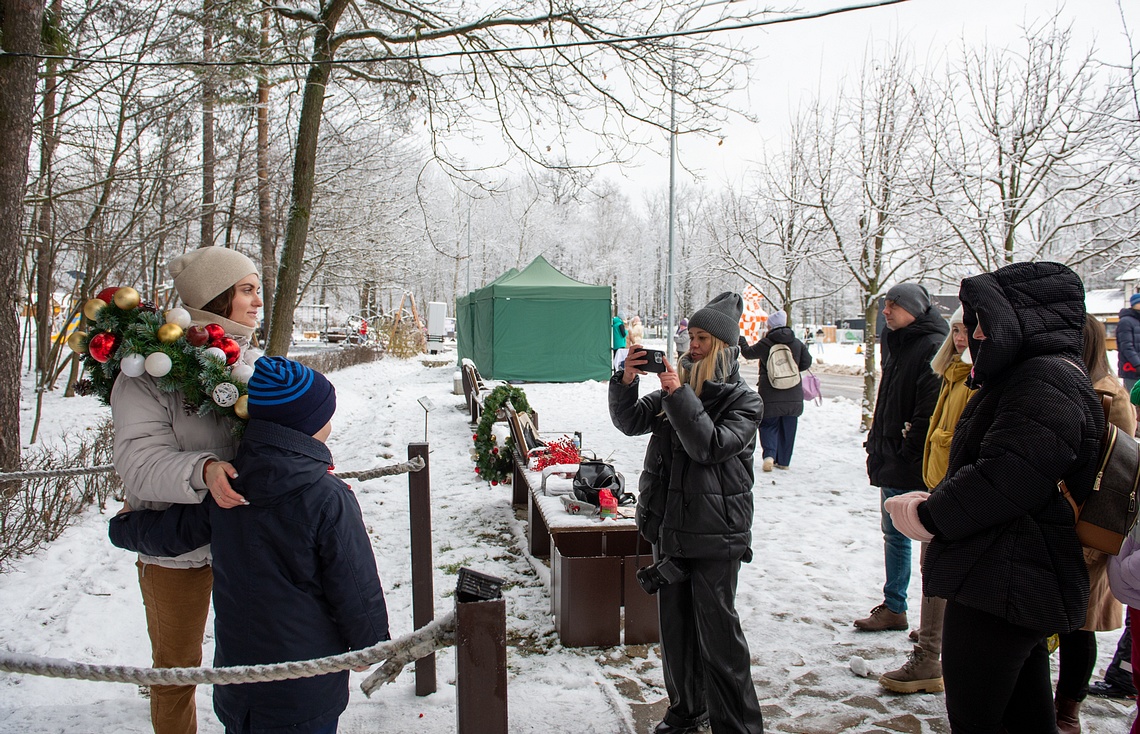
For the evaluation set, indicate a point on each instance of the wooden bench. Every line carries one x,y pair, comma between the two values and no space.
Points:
593,566
475,389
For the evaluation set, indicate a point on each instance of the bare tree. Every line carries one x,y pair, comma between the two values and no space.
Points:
860,163
514,70
20,26
1029,154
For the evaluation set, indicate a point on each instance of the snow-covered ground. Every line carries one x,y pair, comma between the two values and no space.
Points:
818,566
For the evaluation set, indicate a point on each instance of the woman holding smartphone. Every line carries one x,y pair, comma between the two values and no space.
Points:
695,507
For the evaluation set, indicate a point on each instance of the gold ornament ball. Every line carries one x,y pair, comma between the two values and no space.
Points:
241,407
126,298
75,341
92,308
169,333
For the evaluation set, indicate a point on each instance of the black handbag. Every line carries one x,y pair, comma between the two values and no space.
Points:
594,475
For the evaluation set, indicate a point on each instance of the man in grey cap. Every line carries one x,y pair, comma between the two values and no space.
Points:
908,391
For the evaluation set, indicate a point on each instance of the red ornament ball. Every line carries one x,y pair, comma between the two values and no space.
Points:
495,450
476,470
494,483
475,437
197,336
102,346
230,347
107,294
216,333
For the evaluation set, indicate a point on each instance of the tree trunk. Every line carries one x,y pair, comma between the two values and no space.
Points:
870,382
264,209
208,98
304,172
20,29
44,217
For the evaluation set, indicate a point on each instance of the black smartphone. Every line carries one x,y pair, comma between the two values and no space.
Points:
654,361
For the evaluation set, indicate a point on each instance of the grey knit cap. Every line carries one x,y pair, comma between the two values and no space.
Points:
721,317
912,297
203,274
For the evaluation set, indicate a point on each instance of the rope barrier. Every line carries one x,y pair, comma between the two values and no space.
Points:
397,654
49,473
413,465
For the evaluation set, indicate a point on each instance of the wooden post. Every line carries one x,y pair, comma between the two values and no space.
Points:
480,665
423,592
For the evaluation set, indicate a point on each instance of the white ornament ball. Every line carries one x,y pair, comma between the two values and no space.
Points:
215,353
241,372
133,365
157,365
179,317
225,394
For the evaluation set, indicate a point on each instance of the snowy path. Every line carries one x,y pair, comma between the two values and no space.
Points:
818,565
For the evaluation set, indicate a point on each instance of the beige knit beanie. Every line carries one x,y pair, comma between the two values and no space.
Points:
203,274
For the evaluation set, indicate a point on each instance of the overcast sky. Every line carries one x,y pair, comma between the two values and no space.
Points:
796,62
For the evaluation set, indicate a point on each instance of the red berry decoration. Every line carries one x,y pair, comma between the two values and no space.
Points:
216,333
230,347
197,336
102,346
107,294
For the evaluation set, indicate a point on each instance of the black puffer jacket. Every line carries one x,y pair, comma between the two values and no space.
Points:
908,391
294,576
1128,344
1004,536
695,490
779,403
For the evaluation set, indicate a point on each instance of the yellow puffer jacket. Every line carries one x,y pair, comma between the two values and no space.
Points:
952,401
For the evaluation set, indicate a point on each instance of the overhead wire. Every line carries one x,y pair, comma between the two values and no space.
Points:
620,40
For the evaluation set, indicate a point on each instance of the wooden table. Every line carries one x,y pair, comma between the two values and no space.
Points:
593,564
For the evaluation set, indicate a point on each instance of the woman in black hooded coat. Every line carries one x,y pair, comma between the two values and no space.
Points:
1003,547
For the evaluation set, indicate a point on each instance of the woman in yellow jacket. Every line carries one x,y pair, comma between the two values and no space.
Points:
1077,655
922,672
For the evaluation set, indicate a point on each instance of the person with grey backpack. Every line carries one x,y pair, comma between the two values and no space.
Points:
782,357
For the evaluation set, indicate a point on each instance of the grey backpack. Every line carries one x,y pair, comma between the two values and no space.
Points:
783,372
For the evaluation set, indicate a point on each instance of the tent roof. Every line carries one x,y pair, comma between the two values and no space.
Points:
540,279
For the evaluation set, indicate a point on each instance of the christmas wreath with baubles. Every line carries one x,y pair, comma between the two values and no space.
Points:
129,336
492,462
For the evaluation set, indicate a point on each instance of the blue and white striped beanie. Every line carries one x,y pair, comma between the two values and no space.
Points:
290,394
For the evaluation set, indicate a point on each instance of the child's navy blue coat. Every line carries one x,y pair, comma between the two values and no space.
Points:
294,576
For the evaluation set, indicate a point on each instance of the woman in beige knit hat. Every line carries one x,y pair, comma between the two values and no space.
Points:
166,454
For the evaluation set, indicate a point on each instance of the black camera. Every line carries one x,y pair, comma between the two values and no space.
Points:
664,572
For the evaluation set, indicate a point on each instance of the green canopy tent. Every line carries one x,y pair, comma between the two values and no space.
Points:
536,325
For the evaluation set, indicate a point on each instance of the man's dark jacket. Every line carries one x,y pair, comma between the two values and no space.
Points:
789,401
908,391
1004,537
294,576
1128,344
695,490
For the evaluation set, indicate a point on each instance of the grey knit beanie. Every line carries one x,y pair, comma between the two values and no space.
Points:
912,297
721,317
203,274
778,319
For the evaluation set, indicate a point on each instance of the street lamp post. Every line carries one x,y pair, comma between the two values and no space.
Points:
670,315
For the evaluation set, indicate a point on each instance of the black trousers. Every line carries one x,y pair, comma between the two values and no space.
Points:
704,653
1119,671
1077,658
996,673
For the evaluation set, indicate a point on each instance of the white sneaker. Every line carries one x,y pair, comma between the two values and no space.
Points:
769,463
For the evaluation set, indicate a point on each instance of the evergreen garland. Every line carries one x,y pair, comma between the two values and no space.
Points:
493,463
192,373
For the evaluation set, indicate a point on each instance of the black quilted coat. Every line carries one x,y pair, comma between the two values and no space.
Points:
695,490
779,403
908,393
1004,536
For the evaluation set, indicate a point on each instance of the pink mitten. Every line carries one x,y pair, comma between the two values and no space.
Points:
904,514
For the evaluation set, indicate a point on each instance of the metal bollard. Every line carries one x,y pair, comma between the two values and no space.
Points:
480,654
423,588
